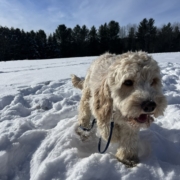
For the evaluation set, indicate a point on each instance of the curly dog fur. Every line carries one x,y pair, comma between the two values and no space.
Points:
128,84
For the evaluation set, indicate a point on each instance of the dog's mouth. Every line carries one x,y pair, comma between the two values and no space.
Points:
143,121
143,118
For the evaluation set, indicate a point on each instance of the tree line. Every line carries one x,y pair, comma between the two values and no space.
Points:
16,44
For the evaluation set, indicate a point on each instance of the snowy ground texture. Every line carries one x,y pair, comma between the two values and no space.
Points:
38,115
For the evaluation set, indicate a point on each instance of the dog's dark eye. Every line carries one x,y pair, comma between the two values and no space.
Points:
128,82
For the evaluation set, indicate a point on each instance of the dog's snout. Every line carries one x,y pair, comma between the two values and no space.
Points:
148,106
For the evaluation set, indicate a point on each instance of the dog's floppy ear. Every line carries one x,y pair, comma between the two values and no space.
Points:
103,103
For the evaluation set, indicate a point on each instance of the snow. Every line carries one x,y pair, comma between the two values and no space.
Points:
38,115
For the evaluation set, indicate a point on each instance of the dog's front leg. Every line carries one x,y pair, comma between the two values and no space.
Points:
84,115
127,153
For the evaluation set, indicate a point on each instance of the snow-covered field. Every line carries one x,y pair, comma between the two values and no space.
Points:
38,115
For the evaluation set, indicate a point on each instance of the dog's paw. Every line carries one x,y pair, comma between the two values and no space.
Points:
84,135
129,162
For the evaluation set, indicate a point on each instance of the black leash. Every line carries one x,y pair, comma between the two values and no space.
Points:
109,140
92,125
99,144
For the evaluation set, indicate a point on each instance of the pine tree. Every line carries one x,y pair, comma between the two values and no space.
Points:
142,34
113,36
41,44
49,47
132,39
2,44
77,40
56,48
146,35
165,37
7,44
176,38
84,40
32,46
52,48
64,40
93,44
103,37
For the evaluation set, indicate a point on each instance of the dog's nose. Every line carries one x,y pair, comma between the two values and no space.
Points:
148,106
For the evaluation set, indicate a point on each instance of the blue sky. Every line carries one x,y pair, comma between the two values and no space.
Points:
48,14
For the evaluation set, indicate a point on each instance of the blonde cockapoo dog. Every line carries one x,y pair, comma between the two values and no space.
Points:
127,89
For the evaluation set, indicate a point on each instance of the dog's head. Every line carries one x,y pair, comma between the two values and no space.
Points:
134,84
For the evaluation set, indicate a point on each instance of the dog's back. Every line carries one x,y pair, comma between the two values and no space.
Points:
101,65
